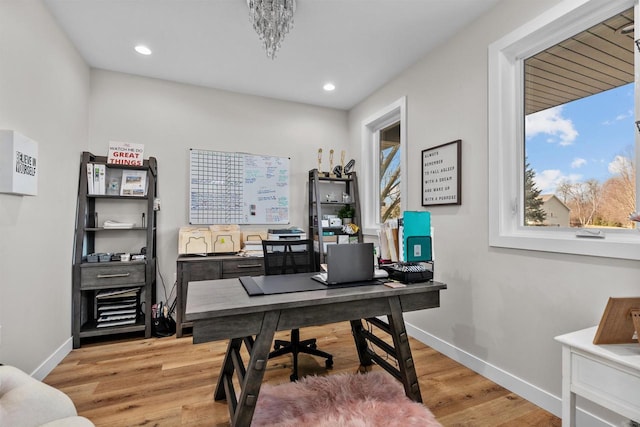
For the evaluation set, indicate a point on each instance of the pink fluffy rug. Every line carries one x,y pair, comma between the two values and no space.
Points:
375,399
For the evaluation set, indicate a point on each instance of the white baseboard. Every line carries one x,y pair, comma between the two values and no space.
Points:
52,361
533,394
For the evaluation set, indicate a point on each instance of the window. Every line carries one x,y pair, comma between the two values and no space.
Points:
389,169
383,180
540,82
579,127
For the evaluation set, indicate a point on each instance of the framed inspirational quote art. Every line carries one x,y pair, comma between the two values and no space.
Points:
441,174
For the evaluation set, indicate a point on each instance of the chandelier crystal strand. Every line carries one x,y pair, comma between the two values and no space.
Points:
272,20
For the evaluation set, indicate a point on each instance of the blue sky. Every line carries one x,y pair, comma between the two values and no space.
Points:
582,139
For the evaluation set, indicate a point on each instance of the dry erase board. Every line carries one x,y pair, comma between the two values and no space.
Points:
238,188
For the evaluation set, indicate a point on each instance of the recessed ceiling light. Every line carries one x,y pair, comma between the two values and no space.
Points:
329,87
143,50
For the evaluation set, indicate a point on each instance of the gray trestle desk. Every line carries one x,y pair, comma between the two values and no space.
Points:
226,311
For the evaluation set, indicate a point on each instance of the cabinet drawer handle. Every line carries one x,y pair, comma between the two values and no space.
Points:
111,276
249,265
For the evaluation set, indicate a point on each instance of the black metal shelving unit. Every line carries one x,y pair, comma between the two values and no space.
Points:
320,206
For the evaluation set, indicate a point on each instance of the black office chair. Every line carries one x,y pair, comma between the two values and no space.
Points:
289,257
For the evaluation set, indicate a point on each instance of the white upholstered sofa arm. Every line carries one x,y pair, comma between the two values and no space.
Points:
27,402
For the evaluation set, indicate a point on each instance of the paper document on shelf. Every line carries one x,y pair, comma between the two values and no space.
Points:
107,318
384,246
115,224
119,305
117,293
391,229
107,313
116,323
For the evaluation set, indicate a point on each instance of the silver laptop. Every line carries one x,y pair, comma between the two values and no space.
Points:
348,263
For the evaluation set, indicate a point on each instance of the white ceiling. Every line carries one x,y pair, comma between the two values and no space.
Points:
358,45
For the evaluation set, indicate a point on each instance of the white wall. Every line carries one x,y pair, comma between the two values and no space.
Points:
44,91
501,306
169,118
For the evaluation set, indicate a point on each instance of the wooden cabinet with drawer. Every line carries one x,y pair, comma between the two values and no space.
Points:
112,275
192,268
242,267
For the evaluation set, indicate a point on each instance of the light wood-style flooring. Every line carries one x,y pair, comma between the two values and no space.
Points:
170,382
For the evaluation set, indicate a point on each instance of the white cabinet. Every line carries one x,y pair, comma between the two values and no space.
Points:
607,374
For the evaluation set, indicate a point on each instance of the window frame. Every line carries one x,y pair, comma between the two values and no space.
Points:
505,125
370,152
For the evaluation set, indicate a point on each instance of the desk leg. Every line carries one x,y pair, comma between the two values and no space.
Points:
226,372
401,343
568,397
255,370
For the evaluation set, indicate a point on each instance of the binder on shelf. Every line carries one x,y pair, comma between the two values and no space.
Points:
103,179
96,179
90,187
99,172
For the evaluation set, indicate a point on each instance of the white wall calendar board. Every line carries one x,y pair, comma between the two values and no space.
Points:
237,188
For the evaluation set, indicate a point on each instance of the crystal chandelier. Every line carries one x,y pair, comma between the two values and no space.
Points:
272,20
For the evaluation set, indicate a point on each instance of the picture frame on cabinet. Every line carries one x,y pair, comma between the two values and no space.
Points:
617,323
134,183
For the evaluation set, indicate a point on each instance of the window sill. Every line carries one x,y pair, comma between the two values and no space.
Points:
620,244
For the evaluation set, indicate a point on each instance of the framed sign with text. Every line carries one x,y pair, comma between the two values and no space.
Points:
441,174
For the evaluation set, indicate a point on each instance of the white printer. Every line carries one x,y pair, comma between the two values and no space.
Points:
284,234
